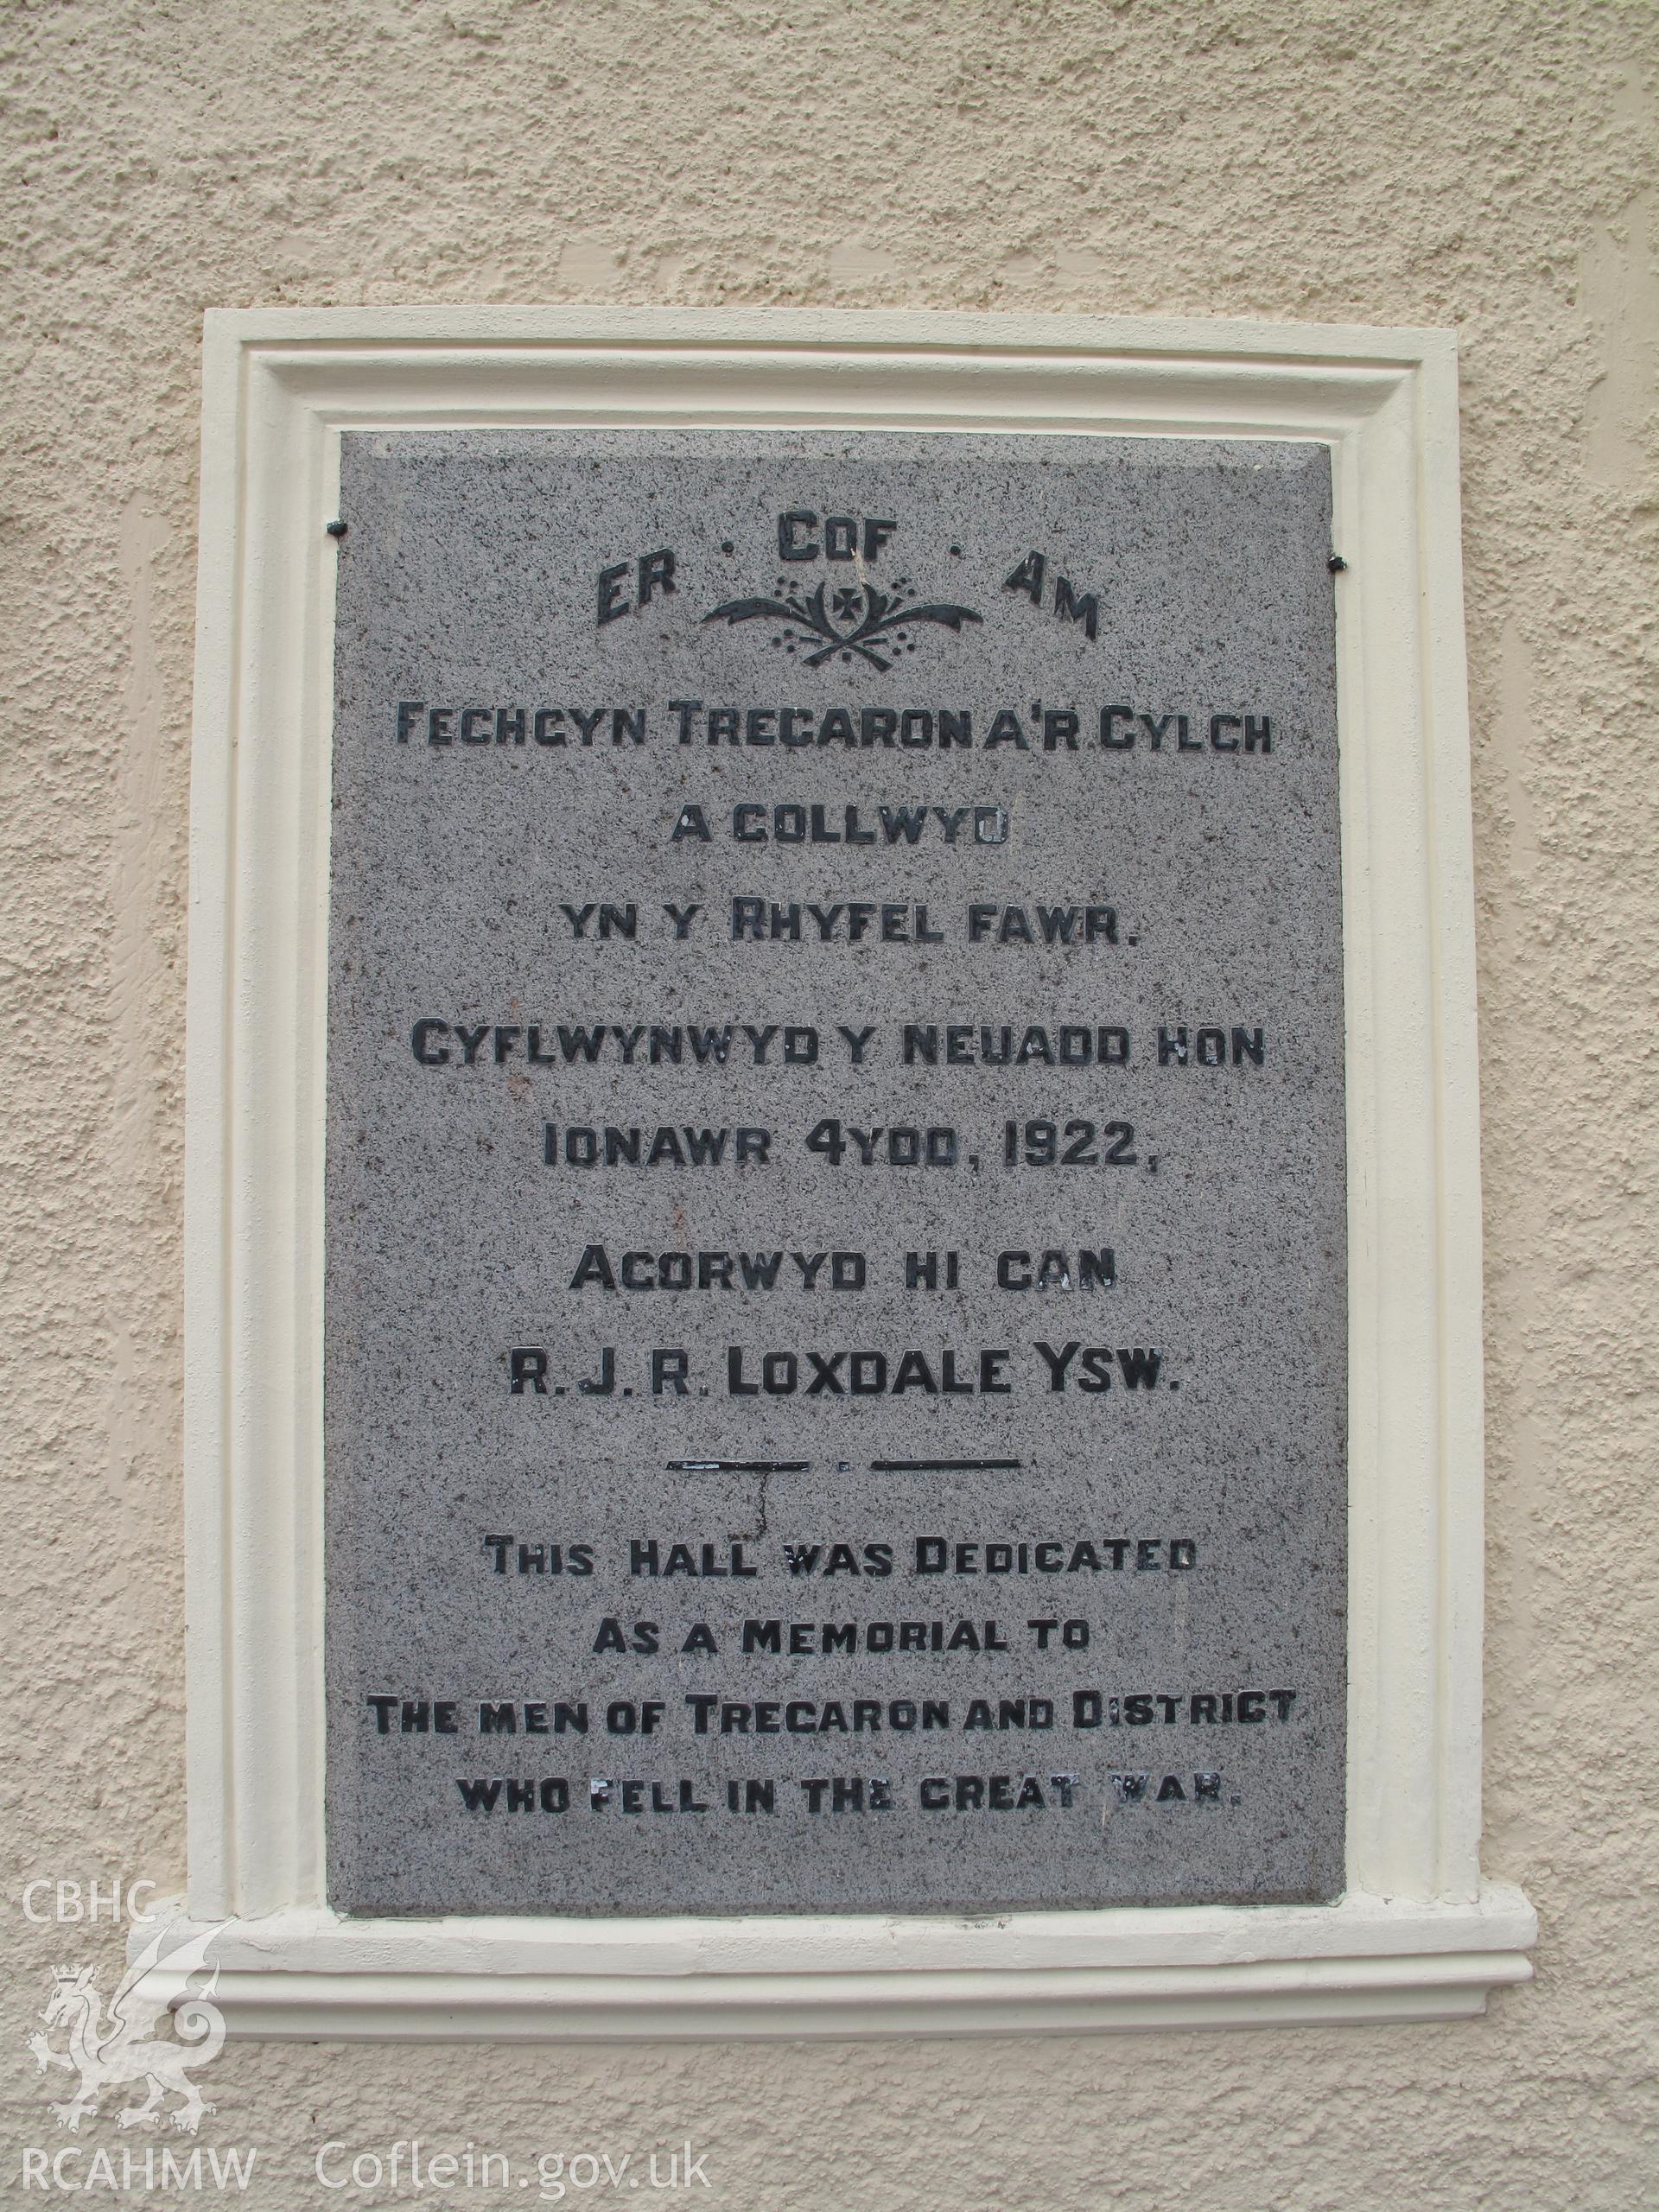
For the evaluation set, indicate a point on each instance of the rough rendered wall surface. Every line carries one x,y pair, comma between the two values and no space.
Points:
1466,162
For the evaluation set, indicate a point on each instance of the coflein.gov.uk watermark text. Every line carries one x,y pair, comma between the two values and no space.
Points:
413,2166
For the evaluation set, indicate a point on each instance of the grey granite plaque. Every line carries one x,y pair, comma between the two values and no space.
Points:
835,1305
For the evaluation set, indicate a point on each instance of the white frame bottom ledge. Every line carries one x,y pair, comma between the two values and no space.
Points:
309,1974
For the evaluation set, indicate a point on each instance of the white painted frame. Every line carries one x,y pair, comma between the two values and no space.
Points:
1417,1935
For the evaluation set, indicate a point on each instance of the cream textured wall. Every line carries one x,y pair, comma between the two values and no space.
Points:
1468,162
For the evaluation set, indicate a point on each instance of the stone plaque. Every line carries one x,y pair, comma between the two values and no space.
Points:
835,1327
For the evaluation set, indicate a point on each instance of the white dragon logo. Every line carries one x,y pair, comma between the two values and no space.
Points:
108,2055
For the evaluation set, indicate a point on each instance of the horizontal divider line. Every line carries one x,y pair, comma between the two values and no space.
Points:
739,1466
944,1466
